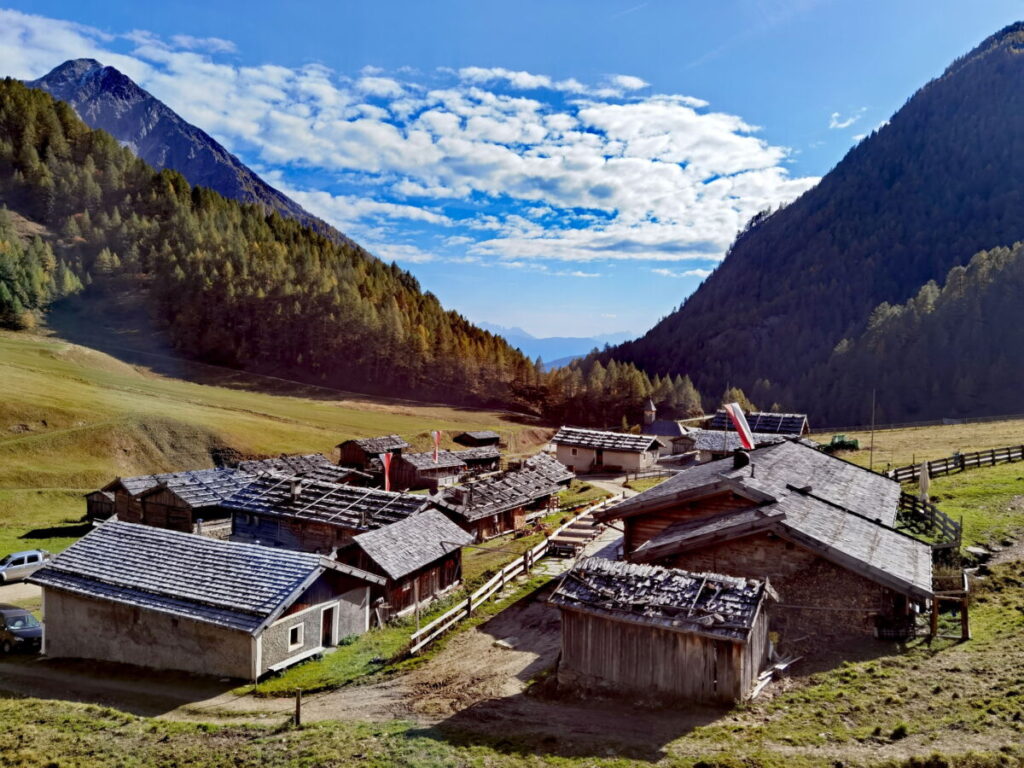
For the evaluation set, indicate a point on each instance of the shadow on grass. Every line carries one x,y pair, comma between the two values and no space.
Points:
69,530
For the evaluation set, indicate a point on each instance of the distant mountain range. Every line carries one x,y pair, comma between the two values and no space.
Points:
555,351
941,181
110,101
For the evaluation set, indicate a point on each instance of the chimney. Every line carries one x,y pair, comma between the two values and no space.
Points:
740,459
295,491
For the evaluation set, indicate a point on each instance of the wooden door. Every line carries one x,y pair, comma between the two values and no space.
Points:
327,627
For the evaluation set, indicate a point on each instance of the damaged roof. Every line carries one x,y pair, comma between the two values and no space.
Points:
668,598
342,505
539,477
198,488
760,421
381,444
410,544
313,465
237,586
722,442
609,441
842,511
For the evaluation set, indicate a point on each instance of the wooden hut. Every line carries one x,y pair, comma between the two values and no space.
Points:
592,450
502,503
416,471
660,634
420,557
361,452
481,437
311,515
820,529
178,500
99,505
486,458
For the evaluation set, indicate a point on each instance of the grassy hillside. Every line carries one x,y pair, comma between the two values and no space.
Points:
72,418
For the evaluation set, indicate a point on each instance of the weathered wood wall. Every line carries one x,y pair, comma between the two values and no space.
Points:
603,655
291,533
642,528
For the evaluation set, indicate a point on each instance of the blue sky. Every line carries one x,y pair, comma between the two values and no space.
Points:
572,168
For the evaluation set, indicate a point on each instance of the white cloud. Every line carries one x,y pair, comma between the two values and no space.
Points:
535,177
210,44
701,273
629,82
838,122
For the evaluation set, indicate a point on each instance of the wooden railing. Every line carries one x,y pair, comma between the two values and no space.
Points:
959,462
925,518
522,565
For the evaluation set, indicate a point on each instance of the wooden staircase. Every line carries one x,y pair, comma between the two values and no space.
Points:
570,541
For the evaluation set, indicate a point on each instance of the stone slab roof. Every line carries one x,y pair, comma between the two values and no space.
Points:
425,461
609,441
198,488
342,505
667,598
477,437
380,444
313,465
718,442
237,586
539,477
759,421
412,543
479,453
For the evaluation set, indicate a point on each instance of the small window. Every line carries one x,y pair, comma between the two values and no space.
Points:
573,451
295,637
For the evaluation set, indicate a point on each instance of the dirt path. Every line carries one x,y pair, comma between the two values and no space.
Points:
19,591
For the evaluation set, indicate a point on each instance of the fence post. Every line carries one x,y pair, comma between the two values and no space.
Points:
469,605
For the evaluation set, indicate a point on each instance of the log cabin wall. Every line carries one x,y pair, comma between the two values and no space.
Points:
400,594
127,507
606,656
816,597
98,506
161,508
643,527
289,532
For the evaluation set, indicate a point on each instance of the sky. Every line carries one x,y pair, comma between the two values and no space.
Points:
570,167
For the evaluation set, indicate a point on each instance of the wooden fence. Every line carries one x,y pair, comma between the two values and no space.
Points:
959,462
518,567
925,518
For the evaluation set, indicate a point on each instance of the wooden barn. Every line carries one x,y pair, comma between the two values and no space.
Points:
591,450
99,505
362,452
178,500
311,515
502,503
168,600
417,471
315,466
661,634
792,424
486,458
420,557
820,529
477,439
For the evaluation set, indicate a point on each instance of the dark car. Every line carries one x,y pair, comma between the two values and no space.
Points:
19,630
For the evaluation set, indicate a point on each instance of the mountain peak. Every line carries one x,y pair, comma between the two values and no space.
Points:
107,99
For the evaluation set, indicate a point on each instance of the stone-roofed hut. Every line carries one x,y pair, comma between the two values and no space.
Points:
311,515
159,598
420,557
793,424
820,529
418,471
360,452
314,466
477,438
711,445
99,505
179,500
502,503
592,450
486,458
660,634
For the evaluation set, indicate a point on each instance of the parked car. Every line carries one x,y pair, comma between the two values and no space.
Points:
19,630
21,565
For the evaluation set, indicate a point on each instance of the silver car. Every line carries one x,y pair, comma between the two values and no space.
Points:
21,565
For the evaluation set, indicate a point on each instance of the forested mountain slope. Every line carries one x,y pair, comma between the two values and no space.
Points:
229,283
942,181
108,100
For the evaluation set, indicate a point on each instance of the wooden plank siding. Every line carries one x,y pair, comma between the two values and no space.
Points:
642,528
291,533
400,594
603,655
